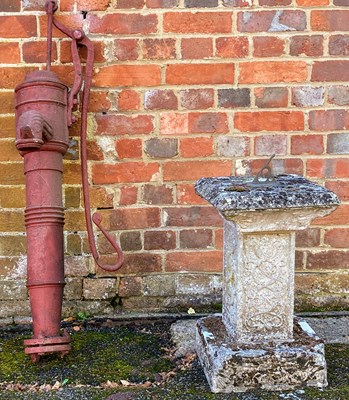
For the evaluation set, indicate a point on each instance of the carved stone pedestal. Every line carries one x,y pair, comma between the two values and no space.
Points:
256,344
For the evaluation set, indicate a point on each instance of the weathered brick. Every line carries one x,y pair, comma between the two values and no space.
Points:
74,245
232,47
130,286
120,124
17,26
129,148
194,99
9,53
99,289
271,21
93,5
328,259
66,53
132,218
11,174
99,102
270,144
72,197
186,195
337,237
129,100
280,166
128,195
195,239
338,143
141,263
159,49
123,24
12,76
162,3
308,96
160,99
131,241
198,22
10,5
341,188
338,95
338,45
313,3
340,214
196,147
7,107
268,46
329,20
269,121
203,261
307,144
12,197
273,72
328,168
271,97
13,290
206,122
192,170
196,48
311,45
191,216
8,151
308,237
157,194
327,120
161,148
234,98
233,146
341,3
272,3
73,289
125,172
191,74
200,3
159,240
173,124
159,285
330,71
127,75
126,49
12,245
127,4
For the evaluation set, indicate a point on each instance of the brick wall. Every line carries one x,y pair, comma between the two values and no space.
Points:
182,89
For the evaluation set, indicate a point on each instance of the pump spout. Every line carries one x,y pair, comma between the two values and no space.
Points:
32,131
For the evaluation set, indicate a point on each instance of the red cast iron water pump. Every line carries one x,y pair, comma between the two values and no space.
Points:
44,107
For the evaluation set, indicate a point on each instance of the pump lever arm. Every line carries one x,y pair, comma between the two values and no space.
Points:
79,38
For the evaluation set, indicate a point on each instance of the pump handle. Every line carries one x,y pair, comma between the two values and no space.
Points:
79,39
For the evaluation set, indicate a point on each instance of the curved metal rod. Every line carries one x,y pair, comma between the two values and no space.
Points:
78,37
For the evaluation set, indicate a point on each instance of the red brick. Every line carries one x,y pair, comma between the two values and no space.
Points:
271,97
186,195
126,49
330,71
273,72
125,172
130,286
208,122
328,259
36,52
196,147
271,21
12,76
312,46
193,170
159,49
174,124
269,121
307,144
232,47
338,217
195,238
308,237
123,24
65,73
308,96
329,20
126,4
203,261
94,152
159,240
64,5
100,198
337,237
93,5
161,3
7,106
328,168
70,20
99,102
157,194
66,56
128,195
119,124
341,188
338,45
129,100
141,263
129,148
313,3
268,46
194,99
71,173
18,26
9,53
270,144
127,75
158,99
10,5
192,216
279,166
196,48
272,3
191,74
328,120
131,218
198,22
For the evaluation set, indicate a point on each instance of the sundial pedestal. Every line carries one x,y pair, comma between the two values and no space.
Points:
256,343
